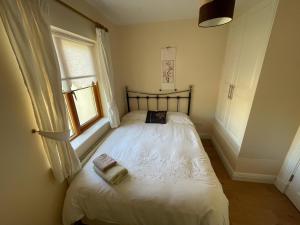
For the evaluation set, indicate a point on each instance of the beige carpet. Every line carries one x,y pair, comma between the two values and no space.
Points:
253,203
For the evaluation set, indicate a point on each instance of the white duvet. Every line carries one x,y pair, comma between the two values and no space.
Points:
171,180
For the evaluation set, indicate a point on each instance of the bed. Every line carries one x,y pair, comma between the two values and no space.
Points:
171,179
170,182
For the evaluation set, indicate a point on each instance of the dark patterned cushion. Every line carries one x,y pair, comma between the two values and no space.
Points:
156,117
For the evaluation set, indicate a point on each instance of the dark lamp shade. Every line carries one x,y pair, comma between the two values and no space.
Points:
216,13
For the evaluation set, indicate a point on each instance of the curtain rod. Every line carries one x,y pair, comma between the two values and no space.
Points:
99,25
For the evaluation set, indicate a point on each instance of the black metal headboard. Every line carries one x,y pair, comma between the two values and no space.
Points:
177,95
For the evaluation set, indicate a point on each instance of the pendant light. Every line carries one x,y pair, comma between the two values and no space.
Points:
216,12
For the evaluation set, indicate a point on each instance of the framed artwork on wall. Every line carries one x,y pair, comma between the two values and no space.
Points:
168,68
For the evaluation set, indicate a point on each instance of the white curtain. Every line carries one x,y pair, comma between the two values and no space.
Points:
27,27
106,77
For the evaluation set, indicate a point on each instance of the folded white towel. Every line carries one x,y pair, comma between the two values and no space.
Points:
104,162
113,175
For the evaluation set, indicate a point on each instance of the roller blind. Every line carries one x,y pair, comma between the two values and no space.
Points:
76,61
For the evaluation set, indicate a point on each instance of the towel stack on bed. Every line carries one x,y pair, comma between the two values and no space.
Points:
108,168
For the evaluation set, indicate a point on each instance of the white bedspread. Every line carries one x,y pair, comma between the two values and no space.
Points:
171,179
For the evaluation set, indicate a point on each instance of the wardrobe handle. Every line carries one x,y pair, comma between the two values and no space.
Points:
232,89
229,91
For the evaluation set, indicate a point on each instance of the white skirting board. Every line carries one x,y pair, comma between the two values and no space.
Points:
254,177
240,176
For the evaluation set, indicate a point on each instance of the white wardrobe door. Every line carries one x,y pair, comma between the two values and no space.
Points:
291,165
229,72
257,23
293,191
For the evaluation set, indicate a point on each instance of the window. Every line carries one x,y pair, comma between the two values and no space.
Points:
76,56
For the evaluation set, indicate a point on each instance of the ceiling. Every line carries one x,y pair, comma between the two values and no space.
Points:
126,12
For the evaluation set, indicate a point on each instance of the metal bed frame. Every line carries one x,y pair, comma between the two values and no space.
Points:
138,95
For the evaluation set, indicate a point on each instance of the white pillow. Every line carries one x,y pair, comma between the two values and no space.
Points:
178,117
172,117
135,115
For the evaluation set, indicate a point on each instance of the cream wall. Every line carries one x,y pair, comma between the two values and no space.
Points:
274,116
28,192
199,60
68,20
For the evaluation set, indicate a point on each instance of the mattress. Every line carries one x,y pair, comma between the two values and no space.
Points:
171,180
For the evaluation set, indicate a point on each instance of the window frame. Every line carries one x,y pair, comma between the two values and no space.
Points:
77,128
74,119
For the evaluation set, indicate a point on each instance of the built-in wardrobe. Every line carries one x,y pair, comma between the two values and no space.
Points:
247,42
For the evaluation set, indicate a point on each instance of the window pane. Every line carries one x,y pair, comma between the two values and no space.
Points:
85,105
78,59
